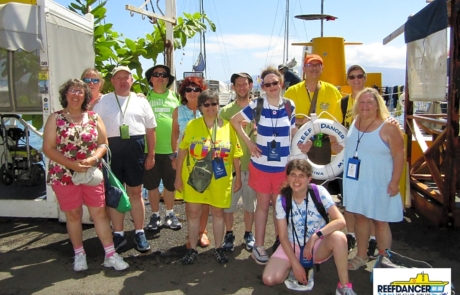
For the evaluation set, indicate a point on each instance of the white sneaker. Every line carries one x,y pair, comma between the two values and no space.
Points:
292,283
260,255
79,263
116,262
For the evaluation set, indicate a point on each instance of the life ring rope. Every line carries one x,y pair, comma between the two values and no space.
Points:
307,131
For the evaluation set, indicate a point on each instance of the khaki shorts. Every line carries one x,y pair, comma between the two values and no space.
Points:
246,193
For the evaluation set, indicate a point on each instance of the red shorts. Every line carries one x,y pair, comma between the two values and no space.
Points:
74,196
279,253
264,182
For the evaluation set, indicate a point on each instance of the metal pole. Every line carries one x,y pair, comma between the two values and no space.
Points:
169,53
322,11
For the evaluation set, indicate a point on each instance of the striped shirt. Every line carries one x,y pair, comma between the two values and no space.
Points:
273,120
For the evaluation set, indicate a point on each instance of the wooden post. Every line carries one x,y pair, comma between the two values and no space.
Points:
452,137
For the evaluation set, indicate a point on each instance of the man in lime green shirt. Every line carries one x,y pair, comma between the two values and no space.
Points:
163,102
242,85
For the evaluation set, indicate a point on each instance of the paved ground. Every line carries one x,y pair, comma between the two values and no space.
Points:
36,258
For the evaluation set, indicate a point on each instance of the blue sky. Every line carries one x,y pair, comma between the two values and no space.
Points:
250,33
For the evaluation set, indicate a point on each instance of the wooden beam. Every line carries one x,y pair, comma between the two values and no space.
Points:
393,35
151,14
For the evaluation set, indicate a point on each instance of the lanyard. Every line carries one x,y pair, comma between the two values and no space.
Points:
359,137
126,106
272,112
213,136
294,231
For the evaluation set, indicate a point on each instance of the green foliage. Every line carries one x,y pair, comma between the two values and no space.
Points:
114,49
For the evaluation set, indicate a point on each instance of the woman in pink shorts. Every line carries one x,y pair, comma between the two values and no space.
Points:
306,241
74,139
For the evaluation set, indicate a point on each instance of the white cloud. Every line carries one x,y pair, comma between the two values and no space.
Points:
376,54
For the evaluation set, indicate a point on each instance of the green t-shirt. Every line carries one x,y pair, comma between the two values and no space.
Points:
163,106
226,113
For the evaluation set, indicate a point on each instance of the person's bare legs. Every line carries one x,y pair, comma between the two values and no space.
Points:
362,230
168,198
383,235
276,271
217,225
248,220
350,220
260,218
194,211
154,199
335,244
74,227
101,224
137,206
229,219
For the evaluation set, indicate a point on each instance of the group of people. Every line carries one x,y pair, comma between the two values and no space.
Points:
160,138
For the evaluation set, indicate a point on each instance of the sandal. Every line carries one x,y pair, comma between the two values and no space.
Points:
356,263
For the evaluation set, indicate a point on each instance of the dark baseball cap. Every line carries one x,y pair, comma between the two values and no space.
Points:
149,72
243,75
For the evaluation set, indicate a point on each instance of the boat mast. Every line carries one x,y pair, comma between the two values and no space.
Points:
203,38
286,34
322,11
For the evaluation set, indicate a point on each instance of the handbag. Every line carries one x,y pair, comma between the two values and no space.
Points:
201,175
115,193
92,177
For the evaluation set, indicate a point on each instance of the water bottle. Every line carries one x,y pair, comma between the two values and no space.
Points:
318,142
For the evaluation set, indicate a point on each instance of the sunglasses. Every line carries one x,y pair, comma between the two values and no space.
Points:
93,80
352,77
312,65
76,91
194,89
207,104
272,83
162,74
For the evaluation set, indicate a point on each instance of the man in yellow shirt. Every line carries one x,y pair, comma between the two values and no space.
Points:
315,96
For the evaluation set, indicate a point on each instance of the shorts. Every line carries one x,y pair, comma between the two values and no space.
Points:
264,182
74,196
161,171
279,253
128,157
246,193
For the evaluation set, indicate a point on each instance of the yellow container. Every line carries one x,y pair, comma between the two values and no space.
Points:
332,51
374,79
32,2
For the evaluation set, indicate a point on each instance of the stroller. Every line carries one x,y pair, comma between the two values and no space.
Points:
20,162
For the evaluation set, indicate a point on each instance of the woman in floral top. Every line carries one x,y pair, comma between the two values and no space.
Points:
74,140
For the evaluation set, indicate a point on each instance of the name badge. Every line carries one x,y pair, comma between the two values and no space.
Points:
124,131
274,151
218,168
353,168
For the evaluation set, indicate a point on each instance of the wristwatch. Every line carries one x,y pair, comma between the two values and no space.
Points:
173,155
319,234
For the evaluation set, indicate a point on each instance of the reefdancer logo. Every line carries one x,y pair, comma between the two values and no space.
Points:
412,281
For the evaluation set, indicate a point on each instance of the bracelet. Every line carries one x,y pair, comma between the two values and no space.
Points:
97,159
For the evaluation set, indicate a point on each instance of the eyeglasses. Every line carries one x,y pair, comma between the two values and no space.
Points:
352,77
162,74
207,104
312,65
272,83
194,89
93,80
76,91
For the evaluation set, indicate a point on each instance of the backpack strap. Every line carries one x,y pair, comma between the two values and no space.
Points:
313,190
344,105
257,112
287,207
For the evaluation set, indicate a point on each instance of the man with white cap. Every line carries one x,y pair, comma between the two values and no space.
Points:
163,102
128,119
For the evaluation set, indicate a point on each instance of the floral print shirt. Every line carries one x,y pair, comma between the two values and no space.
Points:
75,142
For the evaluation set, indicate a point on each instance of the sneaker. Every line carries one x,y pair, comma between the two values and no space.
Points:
154,224
351,241
79,263
344,290
292,283
228,245
190,257
220,255
372,251
276,244
116,262
141,242
249,241
260,255
172,222
118,241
